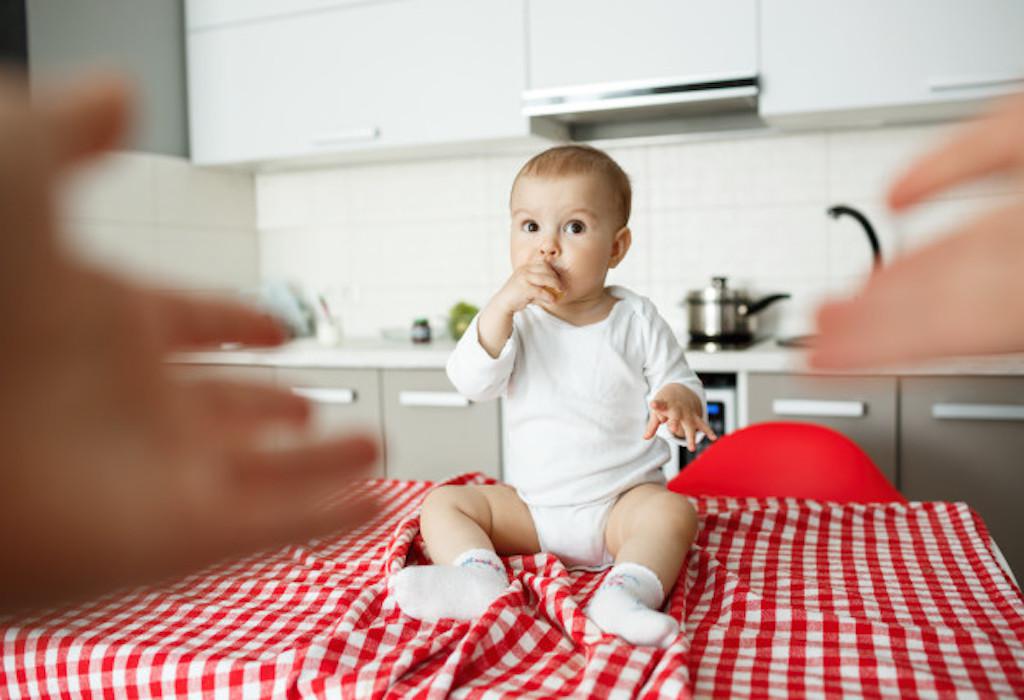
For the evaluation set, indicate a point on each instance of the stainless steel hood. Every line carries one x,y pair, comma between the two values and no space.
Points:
638,101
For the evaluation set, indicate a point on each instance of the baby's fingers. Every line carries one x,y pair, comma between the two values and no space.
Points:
712,435
652,426
690,433
539,292
544,279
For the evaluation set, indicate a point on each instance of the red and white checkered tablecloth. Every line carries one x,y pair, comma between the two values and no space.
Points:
779,597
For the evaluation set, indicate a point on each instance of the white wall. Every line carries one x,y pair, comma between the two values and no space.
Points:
166,222
145,41
390,242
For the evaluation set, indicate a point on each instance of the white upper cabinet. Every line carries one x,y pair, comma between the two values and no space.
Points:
638,53
214,13
580,42
834,62
356,77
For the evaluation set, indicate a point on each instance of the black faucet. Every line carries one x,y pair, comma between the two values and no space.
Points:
876,250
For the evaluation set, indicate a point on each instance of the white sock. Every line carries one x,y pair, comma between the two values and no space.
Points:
627,605
463,590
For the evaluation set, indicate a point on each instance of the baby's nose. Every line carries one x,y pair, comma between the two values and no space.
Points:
548,248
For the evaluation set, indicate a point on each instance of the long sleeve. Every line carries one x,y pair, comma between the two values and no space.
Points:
666,364
474,373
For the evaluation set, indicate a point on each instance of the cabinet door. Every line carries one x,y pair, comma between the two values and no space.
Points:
250,92
862,408
461,80
432,432
835,62
357,77
241,373
213,13
580,42
344,401
962,439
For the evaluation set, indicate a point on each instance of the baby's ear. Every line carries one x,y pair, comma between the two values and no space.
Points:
620,246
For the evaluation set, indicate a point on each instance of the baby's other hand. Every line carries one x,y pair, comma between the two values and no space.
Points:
681,410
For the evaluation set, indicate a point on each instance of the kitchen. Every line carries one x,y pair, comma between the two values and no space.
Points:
390,231
288,154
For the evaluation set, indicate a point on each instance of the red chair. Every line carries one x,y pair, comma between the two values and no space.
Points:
796,460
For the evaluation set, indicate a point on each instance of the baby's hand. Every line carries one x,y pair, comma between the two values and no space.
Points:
682,411
527,284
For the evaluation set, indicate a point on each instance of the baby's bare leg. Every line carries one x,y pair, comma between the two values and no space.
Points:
456,519
649,531
463,527
652,526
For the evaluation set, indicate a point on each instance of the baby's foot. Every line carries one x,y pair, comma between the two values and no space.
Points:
462,591
625,605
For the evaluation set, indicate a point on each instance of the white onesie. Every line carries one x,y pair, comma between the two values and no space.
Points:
576,408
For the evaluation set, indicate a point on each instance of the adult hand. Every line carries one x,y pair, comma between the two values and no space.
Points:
963,295
112,472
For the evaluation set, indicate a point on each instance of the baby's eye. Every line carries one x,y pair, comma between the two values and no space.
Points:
530,226
575,226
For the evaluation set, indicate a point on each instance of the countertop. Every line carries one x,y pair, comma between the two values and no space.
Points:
369,353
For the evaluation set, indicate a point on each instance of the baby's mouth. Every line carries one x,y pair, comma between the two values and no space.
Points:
558,293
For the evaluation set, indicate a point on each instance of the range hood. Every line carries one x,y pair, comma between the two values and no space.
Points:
638,101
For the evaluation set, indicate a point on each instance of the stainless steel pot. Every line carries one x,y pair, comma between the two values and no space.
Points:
718,314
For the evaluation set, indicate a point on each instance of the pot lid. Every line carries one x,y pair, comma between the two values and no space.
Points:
718,291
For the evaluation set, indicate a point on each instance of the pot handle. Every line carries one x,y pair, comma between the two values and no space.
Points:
764,303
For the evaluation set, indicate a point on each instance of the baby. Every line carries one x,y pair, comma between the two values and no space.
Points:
589,374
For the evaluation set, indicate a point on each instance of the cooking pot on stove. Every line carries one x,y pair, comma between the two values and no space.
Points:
719,314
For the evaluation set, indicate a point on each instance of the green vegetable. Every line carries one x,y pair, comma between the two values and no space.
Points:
459,318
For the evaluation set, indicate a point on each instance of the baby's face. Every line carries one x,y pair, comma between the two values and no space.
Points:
571,222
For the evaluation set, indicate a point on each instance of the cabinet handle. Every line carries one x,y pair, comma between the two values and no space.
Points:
974,82
434,399
334,396
819,409
335,138
977,411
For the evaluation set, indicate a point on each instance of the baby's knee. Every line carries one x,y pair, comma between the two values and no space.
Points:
441,498
676,512
464,499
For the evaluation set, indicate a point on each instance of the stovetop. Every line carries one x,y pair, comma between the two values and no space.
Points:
721,346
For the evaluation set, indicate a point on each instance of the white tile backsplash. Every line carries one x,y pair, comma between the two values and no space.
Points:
128,247
191,196
119,188
635,269
935,220
863,163
165,222
285,201
398,240
207,258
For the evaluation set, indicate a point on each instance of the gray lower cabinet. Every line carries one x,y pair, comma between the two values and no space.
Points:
239,373
862,408
344,401
962,439
432,432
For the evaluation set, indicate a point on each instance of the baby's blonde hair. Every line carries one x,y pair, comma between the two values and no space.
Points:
575,159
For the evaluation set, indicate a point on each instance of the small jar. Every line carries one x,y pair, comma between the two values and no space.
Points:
420,331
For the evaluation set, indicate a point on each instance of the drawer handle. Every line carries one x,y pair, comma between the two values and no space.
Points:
334,396
819,409
978,411
433,399
335,138
974,82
